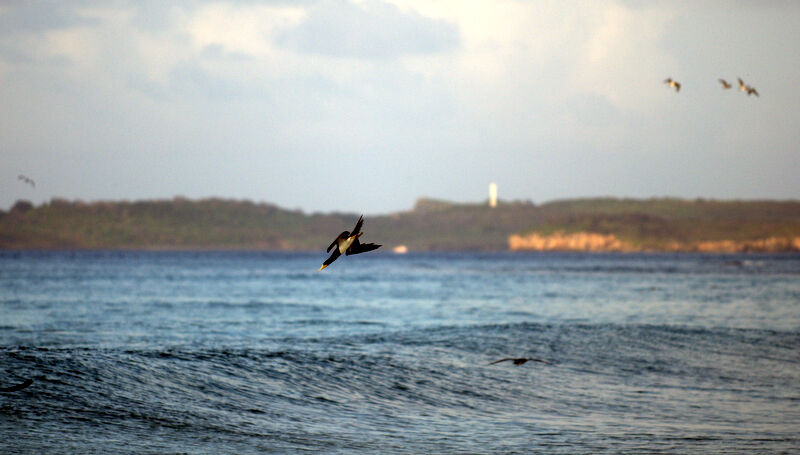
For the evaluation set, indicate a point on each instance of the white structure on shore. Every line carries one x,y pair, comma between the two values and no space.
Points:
492,194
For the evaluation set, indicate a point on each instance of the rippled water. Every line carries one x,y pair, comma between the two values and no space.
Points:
380,353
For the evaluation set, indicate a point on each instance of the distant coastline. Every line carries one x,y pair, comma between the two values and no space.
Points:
594,242
591,224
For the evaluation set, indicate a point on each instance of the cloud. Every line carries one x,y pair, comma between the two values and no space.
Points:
240,29
436,97
623,56
34,17
368,30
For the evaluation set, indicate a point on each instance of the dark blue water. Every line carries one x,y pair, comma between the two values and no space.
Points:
380,353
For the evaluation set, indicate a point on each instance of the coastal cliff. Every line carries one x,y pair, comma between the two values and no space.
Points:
560,241
594,242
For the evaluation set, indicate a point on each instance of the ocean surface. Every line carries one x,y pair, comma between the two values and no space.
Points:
250,352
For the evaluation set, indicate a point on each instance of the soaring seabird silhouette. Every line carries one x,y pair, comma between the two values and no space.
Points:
673,83
347,243
724,83
742,86
18,387
750,90
27,180
520,360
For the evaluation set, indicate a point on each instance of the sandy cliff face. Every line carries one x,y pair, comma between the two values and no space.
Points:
590,241
559,241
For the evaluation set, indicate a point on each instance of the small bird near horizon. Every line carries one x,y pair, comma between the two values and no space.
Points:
347,243
725,84
673,83
521,360
752,91
742,86
27,180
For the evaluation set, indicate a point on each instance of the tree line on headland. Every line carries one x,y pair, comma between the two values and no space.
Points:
596,224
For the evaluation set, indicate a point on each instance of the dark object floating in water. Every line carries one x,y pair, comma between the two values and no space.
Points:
18,387
521,360
348,244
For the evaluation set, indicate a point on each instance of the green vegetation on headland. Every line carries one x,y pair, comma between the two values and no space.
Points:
600,224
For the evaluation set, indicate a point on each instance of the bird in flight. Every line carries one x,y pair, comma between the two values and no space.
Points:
750,90
27,180
724,83
18,387
520,360
673,83
347,243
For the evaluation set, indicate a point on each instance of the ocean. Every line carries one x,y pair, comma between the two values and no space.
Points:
253,352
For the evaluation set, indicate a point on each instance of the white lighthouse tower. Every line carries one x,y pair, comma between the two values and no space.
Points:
492,194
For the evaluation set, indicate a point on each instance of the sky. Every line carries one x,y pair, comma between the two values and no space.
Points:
366,105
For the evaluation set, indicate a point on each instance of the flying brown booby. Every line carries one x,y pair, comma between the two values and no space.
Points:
347,243
725,84
742,86
520,360
673,83
747,88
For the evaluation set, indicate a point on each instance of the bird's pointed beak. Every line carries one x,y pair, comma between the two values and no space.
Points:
323,266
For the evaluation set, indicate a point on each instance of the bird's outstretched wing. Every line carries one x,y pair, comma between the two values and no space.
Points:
501,360
520,360
18,387
539,360
335,242
358,247
359,223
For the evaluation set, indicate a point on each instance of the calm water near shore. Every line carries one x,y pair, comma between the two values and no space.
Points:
247,352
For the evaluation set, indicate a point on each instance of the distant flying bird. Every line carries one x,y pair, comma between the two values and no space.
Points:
347,243
27,180
18,387
520,360
724,83
750,90
673,83
742,87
